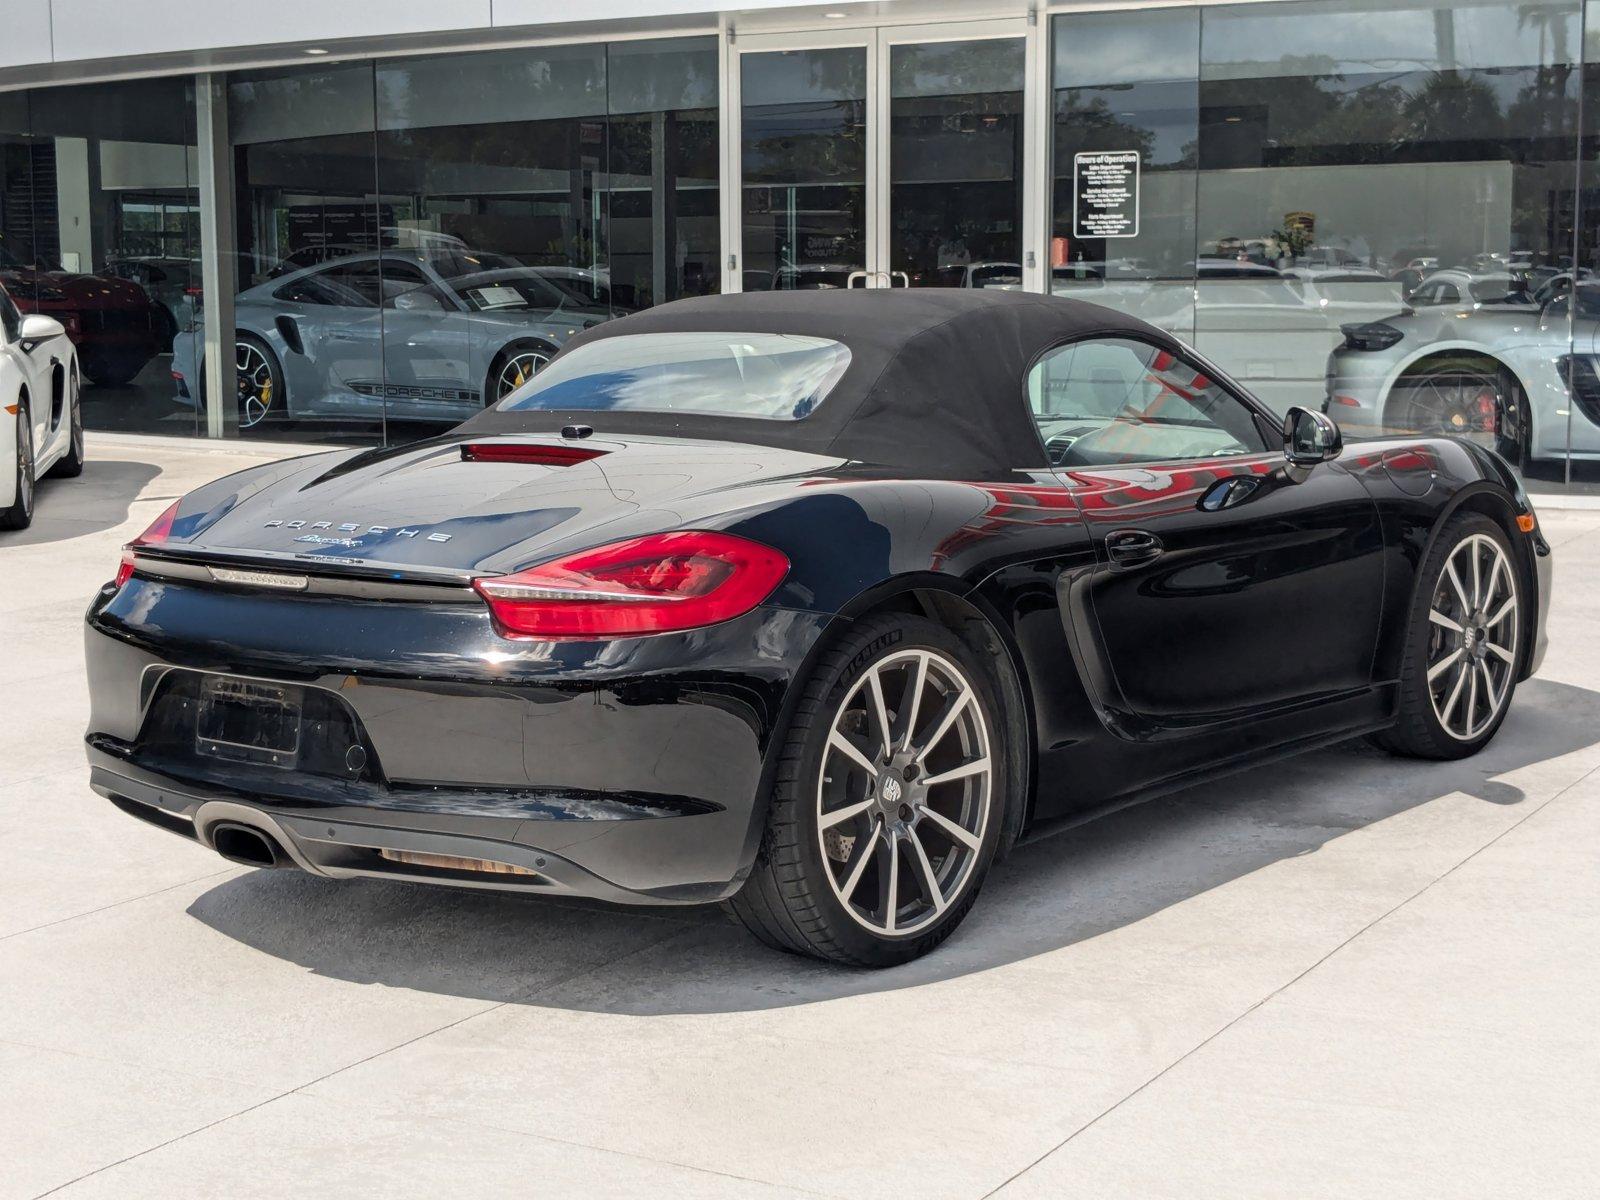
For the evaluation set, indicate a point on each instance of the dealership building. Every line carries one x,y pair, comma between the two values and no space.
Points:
362,221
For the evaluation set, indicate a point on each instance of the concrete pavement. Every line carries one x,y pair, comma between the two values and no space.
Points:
1343,976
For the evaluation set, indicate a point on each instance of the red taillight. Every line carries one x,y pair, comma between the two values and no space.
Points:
160,529
655,584
528,452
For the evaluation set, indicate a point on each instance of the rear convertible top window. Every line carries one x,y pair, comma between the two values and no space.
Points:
772,375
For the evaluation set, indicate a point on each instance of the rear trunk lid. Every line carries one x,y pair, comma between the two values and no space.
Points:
438,512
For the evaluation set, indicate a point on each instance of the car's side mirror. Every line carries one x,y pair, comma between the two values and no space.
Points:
36,328
1309,438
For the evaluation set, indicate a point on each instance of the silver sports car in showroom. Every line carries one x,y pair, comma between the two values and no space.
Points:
1479,359
396,334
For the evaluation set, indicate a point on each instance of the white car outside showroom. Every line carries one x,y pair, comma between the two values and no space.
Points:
41,417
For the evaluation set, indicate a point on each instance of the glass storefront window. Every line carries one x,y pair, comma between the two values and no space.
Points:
1126,84
99,228
1382,209
308,341
1414,171
662,180
446,223
1372,205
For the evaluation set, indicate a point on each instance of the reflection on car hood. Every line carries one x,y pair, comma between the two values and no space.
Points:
59,288
557,324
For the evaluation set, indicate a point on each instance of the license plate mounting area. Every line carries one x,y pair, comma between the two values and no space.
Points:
243,720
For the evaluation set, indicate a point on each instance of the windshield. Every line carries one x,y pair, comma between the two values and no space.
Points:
770,375
518,290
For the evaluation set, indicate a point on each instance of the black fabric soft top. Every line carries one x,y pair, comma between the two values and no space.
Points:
936,382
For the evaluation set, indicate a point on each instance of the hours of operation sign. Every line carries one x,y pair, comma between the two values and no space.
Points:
1106,187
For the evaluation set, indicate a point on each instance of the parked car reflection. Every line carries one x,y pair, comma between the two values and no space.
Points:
173,283
1273,328
812,277
1493,370
114,324
395,334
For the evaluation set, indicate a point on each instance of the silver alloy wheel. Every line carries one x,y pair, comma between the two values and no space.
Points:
256,388
1473,626
25,459
522,366
905,792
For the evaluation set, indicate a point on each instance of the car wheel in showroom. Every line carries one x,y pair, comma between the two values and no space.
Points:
259,382
513,367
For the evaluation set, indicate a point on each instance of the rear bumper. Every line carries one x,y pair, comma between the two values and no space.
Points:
1354,390
631,771
346,841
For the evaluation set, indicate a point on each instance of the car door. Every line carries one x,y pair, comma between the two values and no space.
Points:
33,367
426,357
1222,587
1582,432
330,320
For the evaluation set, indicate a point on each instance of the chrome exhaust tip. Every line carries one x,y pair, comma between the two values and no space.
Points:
246,846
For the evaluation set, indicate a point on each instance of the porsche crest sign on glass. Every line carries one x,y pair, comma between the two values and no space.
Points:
1105,188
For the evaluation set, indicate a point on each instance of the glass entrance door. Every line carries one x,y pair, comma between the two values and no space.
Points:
887,157
803,155
952,111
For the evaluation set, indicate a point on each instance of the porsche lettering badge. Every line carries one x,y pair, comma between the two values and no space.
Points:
352,530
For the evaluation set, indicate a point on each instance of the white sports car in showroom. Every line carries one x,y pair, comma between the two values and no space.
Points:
41,417
1474,356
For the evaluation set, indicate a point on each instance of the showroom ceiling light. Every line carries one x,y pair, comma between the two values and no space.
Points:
315,50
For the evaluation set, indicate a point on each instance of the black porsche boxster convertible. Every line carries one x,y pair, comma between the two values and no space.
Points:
813,604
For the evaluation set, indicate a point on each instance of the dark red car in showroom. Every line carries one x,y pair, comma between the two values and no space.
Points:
114,324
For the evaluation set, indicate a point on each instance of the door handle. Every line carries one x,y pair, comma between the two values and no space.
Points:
1226,493
1131,547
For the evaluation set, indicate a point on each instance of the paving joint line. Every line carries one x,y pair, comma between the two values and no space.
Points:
1206,1041
300,1088
628,1154
5,937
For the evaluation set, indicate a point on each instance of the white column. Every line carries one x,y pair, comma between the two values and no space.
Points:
730,182
1038,129
74,207
218,260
